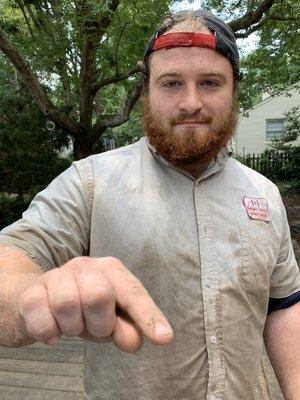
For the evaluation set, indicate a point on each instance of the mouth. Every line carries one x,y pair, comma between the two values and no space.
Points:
190,123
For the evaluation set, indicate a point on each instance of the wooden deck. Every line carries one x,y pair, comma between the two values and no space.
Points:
39,372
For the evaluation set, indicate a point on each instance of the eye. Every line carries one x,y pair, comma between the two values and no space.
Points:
172,84
210,83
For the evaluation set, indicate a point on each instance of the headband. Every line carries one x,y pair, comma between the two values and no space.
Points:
185,39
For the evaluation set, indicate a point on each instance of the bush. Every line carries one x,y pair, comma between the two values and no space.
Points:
11,208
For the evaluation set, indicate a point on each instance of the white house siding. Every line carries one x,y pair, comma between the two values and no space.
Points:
251,130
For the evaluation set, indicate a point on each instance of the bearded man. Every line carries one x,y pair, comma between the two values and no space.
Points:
169,231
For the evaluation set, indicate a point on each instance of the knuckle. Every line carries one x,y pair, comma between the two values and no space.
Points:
97,297
138,291
78,263
65,304
114,262
50,275
82,260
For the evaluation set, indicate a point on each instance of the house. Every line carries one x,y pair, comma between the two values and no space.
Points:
264,122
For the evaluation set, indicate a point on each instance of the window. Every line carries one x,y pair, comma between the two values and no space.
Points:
275,129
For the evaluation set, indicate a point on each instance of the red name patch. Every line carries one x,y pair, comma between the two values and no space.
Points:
257,208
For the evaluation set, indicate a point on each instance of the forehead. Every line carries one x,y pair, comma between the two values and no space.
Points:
187,61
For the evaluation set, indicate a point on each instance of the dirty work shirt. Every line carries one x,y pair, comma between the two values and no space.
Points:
202,254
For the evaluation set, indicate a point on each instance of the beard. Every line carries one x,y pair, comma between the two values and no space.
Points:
191,145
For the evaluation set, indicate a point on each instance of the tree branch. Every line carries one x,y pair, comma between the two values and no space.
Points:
122,116
55,20
261,23
106,19
252,29
114,79
26,19
251,17
250,4
92,32
44,103
117,45
36,23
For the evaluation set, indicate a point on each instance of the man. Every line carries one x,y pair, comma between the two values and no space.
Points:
206,236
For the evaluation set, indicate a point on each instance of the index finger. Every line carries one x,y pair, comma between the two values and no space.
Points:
132,297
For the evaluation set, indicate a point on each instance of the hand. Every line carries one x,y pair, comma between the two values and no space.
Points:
81,298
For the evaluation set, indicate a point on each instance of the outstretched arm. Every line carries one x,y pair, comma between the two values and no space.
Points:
282,340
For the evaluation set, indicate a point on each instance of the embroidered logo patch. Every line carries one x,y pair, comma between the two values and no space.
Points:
257,208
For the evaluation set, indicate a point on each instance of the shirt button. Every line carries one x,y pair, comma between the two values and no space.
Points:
214,340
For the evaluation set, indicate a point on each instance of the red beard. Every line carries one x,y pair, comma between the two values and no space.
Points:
192,146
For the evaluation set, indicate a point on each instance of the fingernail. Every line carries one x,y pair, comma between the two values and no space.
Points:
53,341
163,329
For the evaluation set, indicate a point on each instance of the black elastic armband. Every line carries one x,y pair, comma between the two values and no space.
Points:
286,302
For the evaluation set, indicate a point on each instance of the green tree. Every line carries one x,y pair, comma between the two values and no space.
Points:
275,65
83,48
87,49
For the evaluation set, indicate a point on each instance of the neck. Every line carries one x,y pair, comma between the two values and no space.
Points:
195,169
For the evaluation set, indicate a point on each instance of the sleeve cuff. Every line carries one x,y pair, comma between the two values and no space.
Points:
279,304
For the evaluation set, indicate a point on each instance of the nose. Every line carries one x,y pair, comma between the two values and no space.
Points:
191,101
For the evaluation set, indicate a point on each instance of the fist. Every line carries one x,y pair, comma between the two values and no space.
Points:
98,299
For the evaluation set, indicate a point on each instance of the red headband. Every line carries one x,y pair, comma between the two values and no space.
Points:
185,39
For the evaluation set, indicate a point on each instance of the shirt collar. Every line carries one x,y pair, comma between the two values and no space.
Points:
216,165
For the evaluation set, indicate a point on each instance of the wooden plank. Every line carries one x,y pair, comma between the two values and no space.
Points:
16,393
39,372
39,381
42,354
43,367
63,344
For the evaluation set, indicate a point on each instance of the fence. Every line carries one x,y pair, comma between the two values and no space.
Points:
268,163
109,144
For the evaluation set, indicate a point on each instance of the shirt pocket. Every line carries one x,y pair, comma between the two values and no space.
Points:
257,257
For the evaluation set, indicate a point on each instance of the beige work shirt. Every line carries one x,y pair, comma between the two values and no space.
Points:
209,266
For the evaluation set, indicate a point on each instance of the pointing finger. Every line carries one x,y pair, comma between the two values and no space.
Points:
132,297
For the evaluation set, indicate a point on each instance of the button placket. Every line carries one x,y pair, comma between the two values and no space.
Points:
211,295
214,339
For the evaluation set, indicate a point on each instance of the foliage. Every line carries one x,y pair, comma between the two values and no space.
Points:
11,208
275,65
129,132
286,154
287,163
29,153
291,125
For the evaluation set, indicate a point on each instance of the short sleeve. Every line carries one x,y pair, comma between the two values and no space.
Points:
285,279
56,226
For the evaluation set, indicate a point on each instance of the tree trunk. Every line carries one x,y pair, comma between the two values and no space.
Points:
82,149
